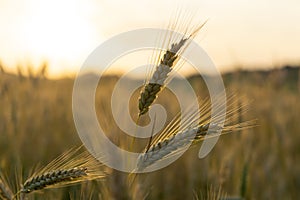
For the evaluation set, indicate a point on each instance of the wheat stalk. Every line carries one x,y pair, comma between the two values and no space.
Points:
151,89
69,168
5,191
173,141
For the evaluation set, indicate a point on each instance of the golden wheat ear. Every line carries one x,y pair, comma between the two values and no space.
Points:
73,166
164,64
179,135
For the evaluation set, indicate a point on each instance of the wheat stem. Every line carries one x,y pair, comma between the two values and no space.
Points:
5,191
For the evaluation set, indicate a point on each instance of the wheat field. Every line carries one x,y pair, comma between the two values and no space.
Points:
257,163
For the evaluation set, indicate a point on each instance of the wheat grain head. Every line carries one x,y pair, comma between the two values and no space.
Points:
174,140
164,65
74,166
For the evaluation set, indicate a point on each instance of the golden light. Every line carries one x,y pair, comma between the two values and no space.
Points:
64,33
58,31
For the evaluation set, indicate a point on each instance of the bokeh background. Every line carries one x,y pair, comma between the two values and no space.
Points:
243,34
255,44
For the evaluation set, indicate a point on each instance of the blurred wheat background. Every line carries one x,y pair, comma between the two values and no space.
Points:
259,163
255,45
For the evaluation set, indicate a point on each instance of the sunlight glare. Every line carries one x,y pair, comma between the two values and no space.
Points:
59,31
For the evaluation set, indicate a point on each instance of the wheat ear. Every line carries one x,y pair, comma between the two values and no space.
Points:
151,89
172,140
5,191
54,177
181,139
76,165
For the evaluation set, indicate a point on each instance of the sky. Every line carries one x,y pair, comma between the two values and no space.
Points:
239,33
